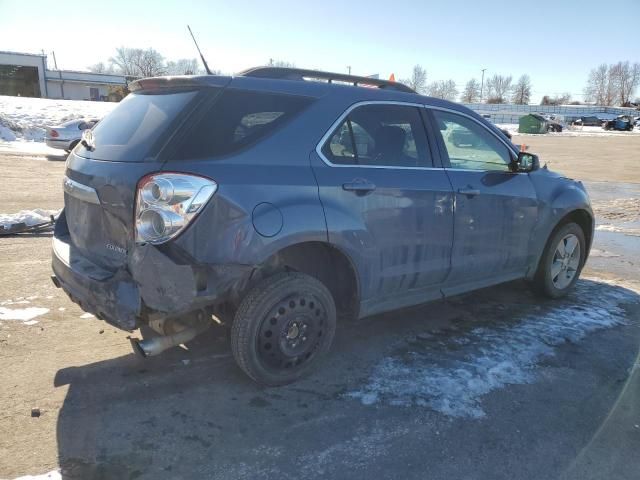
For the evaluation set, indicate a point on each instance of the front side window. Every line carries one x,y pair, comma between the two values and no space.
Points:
469,145
380,135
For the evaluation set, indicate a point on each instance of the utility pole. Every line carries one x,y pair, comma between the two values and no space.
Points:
349,69
482,85
55,64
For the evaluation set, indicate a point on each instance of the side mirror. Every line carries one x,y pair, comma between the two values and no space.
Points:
526,162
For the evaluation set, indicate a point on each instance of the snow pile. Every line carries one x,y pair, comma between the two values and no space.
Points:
450,373
28,217
26,119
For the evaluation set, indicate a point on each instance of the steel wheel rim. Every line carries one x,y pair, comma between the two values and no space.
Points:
565,261
292,333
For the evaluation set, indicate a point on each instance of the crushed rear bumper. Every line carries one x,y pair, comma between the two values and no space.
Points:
110,297
152,281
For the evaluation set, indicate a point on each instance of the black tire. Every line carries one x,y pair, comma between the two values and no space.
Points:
282,328
543,282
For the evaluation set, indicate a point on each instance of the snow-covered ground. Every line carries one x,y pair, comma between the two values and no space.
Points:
512,128
25,119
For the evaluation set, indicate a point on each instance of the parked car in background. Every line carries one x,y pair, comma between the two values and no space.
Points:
621,123
591,121
553,122
67,135
276,205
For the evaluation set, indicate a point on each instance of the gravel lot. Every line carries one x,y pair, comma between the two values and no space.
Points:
496,384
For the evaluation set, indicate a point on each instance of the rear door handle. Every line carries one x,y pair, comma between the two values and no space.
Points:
359,187
470,192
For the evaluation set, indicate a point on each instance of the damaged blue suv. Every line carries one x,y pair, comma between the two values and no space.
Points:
278,200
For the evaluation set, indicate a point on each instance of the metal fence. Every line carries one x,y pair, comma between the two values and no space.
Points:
511,113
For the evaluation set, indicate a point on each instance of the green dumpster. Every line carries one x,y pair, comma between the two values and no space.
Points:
532,123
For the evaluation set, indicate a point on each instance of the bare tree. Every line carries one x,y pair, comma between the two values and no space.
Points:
471,92
498,88
281,63
522,91
445,89
123,61
183,66
101,67
601,86
138,62
418,80
149,62
563,99
624,78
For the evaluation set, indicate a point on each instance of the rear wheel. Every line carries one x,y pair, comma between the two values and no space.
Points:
282,328
561,261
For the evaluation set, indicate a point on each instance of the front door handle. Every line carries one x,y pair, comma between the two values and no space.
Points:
359,187
468,191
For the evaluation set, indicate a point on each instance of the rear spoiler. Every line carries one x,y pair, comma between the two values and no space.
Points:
179,82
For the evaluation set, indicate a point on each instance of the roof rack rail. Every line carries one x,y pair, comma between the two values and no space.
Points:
302,74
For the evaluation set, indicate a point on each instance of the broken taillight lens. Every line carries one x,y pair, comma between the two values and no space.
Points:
167,202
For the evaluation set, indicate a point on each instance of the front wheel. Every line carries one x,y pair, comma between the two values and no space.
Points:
282,328
561,261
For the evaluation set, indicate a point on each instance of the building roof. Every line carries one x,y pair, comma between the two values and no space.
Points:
85,77
22,53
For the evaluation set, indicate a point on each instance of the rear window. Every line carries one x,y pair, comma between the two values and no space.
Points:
133,129
237,120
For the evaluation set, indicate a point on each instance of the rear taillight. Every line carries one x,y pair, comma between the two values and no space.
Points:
167,202
53,133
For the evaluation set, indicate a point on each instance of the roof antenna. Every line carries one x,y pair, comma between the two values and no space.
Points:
204,62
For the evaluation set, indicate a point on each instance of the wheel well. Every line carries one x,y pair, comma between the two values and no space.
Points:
584,220
326,263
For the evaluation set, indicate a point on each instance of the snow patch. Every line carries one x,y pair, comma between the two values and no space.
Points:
29,217
22,314
634,232
52,475
86,315
450,375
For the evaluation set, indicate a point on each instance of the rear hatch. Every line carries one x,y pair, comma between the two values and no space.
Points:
103,172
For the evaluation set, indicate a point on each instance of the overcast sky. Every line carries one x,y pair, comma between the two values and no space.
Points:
556,42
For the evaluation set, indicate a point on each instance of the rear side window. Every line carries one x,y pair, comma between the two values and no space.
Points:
380,135
134,127
238,119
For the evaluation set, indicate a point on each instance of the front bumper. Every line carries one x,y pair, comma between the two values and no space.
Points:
151,282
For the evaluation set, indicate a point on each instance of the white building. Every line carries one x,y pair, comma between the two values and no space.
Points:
26,74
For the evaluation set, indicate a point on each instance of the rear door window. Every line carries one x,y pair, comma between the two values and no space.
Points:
380,135
237,120
135,127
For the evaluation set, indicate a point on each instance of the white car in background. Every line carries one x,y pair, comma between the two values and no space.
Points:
67,135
